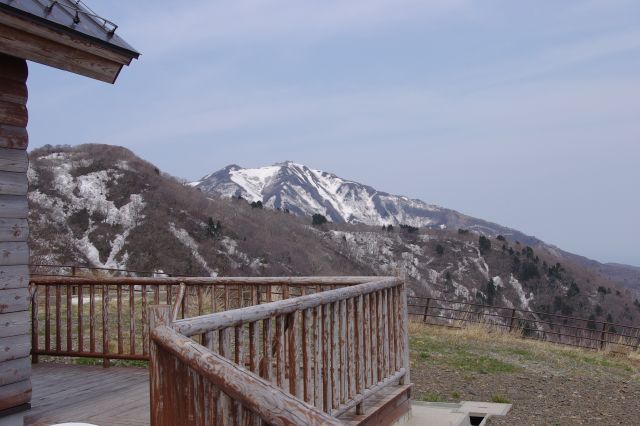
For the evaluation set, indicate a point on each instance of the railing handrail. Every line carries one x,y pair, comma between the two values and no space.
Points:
235,317
194,281
260,396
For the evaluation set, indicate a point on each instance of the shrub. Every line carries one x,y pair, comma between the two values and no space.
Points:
556,271
408,228
484,243
439,249
573,289
603,290
501,238
462,231
561,306
491,290
528,271
318,219
256,204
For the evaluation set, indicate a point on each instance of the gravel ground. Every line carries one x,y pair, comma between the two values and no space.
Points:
547,384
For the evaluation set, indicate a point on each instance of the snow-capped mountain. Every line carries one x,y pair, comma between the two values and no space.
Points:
100,205
305,191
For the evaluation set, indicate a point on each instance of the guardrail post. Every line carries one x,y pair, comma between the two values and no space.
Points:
426,309
158,315
603,335
513,319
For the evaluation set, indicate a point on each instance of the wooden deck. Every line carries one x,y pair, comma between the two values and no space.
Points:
75,393
119,396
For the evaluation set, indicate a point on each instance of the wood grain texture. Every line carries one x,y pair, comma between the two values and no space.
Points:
258,395
14,230
39,49
218,281
13,114
13,137
16,370
118,396
12,183
14,276
14,253
15,394
13,68
13,160
15,323
198,325
65,38
13,206
15,347
12,90
14,300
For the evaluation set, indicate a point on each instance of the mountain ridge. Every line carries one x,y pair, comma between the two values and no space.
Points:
305,191
103,206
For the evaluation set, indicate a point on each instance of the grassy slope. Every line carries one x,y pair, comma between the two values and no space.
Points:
546,383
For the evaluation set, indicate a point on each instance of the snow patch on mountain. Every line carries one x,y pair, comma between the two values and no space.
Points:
186,239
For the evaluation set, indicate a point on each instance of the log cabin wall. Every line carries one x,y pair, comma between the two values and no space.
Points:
15,342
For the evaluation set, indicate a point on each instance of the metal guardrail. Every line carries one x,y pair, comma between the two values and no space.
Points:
562,329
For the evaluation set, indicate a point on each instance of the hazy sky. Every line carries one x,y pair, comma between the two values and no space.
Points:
522,113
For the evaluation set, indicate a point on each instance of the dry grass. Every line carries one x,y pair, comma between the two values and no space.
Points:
477,340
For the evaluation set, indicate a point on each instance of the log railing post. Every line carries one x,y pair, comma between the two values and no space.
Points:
105,325
513,319
426,310
603,335
404,331
34,323
158,315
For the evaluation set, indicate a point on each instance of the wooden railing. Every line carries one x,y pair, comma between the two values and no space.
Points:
587,333
106,317
295,359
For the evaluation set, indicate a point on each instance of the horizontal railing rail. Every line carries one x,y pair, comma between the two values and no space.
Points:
182,370
556,328
332,350
105,317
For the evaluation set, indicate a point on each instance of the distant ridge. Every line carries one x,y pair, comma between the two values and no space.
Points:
306,191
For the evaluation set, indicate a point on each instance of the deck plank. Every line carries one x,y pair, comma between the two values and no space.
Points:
76,393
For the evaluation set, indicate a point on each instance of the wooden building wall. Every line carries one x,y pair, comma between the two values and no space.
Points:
15,342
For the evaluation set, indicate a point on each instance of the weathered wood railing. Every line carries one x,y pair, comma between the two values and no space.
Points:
106,317
193,385
331,350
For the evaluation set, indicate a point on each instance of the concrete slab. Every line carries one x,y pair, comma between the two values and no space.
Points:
490,408
454,414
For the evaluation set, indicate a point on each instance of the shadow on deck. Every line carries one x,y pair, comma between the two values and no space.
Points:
116,396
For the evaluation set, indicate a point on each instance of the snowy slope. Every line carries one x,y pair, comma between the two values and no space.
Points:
307,191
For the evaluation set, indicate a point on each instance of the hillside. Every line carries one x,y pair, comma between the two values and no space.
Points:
103,206
305,191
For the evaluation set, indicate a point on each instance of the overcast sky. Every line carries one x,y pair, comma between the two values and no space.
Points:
522,113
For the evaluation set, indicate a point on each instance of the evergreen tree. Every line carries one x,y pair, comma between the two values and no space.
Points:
484,244
318,219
